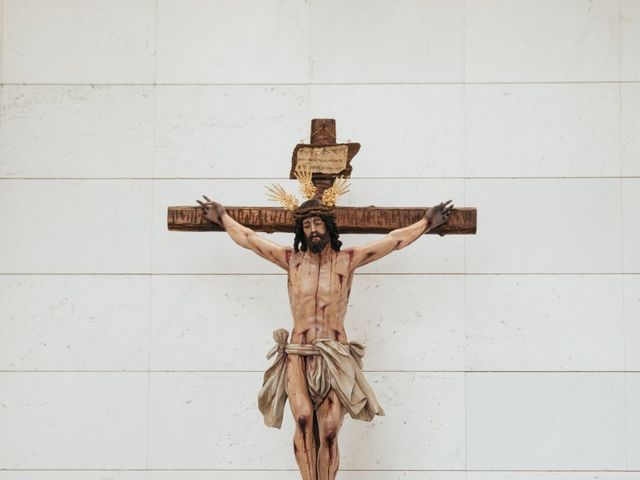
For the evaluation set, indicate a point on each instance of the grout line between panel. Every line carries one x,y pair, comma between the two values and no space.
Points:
320,84
2,50
464,240
309,66
622,253
287,178
309,56
151,230
2,42
148,372
295,470
151,235
571,372
258,274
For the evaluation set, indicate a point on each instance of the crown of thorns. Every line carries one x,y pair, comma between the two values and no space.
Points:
303,174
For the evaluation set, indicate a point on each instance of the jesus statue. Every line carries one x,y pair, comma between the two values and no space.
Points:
318,369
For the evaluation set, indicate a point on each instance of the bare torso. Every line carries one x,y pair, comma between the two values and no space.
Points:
319,286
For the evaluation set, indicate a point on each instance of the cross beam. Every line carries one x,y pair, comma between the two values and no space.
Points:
327,160
349,219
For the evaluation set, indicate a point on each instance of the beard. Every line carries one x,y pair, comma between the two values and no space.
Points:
316,246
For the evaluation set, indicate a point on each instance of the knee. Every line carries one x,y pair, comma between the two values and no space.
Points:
329,436
303,420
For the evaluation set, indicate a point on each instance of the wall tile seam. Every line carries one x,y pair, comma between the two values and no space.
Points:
357,179
295,470
258,274
2,32
465,346
411,372
316,84
150,298
622,238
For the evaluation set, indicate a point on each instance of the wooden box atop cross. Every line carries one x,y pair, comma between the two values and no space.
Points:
327,160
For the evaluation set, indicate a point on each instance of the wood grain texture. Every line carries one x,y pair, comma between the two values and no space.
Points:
349,219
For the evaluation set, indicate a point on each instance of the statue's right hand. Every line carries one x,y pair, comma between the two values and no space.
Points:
213,211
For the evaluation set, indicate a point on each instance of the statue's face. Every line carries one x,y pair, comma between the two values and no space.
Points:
315,232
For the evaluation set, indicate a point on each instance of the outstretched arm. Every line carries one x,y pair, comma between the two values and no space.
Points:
401,237
245,237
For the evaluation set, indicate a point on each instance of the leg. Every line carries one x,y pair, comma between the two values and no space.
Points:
330,414
304,445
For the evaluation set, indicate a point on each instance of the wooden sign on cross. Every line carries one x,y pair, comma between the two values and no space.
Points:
327,160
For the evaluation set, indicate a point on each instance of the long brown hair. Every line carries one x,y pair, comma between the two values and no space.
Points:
300,241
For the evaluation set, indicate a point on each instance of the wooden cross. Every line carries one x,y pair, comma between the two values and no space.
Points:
327,160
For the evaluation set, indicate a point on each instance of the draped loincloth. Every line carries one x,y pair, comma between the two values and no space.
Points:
336,366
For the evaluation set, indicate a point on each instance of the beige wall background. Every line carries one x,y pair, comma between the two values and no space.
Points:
129,352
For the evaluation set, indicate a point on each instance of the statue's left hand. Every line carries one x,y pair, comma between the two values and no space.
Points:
212,210
438,215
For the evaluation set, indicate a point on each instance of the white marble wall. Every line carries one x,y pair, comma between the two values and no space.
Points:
128,352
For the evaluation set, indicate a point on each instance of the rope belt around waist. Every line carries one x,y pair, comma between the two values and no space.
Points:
301,349
280,336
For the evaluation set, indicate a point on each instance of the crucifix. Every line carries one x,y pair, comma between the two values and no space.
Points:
317,368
